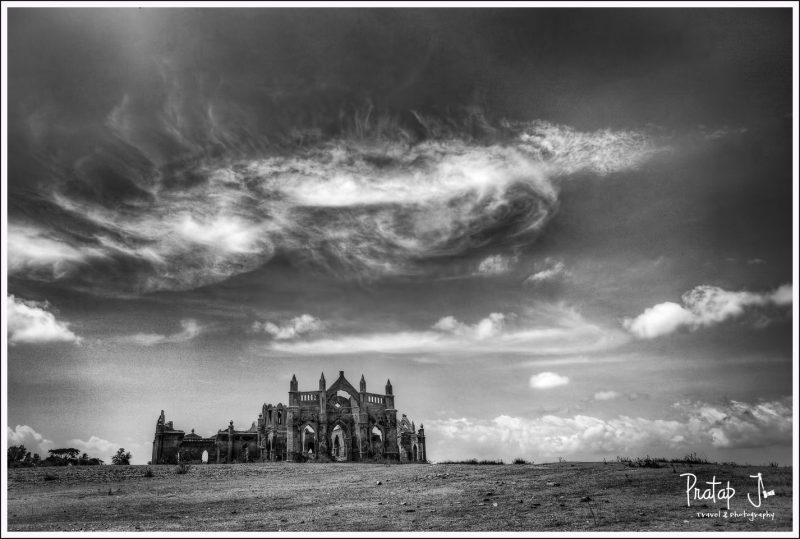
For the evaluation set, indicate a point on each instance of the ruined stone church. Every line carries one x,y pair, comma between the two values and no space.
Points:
336,423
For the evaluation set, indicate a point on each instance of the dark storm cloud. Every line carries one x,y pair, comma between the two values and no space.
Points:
168,149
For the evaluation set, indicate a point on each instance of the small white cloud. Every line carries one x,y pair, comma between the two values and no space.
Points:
484,329
658,320
606,395
191,329
547,380
703,306
30,322
496,265
27,436
297,326
552,270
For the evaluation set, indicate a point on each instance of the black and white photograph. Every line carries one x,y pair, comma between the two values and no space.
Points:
381,268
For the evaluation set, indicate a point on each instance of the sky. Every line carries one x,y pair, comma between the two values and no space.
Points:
561,233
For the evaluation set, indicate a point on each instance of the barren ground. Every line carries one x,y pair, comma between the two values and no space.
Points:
414,497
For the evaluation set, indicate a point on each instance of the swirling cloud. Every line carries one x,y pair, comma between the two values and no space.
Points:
340,204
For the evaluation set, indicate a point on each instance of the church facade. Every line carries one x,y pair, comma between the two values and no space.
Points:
336,423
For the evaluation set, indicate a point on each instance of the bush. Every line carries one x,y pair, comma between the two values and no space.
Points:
50,477
474,461
148,473
521,461
182,468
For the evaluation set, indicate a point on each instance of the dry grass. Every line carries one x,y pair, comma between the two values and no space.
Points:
347,497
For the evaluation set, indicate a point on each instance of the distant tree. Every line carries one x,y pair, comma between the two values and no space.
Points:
36,460
15,454
121,457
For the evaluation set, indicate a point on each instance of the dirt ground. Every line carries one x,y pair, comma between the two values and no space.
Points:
372,497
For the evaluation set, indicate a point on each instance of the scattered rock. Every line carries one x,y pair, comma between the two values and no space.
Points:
402,503
552,484
411,510
234,512
586,499
494,504
481,503
378,483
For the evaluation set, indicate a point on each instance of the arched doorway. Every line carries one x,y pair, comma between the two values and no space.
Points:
376,440
338,445
309,441
414,452
204,457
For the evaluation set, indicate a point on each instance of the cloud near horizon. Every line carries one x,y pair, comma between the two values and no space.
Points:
699,425
553,330
703,306
32,440
96,447
30,322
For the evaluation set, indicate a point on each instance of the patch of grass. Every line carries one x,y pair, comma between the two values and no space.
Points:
691,458
50,477
182,468
148,473
475,462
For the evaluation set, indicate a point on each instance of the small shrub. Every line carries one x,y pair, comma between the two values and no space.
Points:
182,468
50,477
520,461
148,473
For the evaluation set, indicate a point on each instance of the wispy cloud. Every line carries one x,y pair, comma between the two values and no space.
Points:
550,271
190,330
30,322
552,331
697,425
547,380
703,306
299,325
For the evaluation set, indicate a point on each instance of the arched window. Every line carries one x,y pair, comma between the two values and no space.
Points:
204,457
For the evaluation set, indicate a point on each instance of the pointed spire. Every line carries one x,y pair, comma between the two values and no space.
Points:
293,383
322,382
388,387
362,386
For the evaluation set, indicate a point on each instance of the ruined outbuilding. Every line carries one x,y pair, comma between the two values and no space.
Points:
337,423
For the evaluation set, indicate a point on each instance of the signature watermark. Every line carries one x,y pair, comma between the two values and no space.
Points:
723,492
